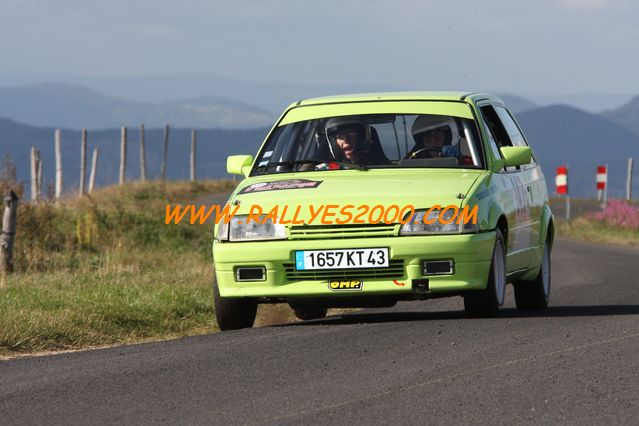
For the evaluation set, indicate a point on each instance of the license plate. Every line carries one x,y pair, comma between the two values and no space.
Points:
341,259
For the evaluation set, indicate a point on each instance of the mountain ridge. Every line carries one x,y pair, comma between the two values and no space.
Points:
75,106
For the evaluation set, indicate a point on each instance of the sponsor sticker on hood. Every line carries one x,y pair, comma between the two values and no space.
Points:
280,185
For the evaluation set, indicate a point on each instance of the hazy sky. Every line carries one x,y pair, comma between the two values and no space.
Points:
535,47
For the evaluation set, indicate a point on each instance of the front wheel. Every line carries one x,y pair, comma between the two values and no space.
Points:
534,295
309,312
233,313
488,302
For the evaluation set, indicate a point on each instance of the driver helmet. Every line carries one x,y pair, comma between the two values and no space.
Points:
431,123
349,123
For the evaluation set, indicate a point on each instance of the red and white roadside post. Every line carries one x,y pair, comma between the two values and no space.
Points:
602,187
561,183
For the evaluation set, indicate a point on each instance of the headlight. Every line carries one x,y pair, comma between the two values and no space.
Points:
239,230
435,223
223,231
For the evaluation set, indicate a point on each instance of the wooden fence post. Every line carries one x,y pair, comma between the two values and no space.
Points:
58,165
8,233
142,155
39,188
34,174
193,142
83,162
165,152
94,169
123,155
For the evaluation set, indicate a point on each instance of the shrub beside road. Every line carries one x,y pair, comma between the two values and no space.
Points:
618,223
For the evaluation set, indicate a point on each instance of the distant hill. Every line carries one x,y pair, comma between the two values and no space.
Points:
594,102
560,134
273,96
72,106
213,146
517,104
627,115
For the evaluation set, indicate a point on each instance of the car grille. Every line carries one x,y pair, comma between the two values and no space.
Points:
323,232
394,270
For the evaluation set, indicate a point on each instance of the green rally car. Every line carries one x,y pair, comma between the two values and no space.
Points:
358,201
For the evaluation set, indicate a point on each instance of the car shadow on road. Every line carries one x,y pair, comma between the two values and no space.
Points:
552,311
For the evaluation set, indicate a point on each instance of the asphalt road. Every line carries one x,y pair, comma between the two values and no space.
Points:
420,362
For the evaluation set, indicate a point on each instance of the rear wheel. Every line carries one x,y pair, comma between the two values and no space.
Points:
534,295
309,312
489,301
233,313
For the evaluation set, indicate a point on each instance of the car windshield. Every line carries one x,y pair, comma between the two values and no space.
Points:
371,141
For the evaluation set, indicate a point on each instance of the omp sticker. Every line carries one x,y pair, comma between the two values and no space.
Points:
281,185
345,285
267,154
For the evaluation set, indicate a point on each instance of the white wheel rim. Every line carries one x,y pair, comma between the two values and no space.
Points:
499,273
545,272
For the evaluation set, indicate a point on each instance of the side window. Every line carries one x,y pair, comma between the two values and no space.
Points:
495,125
511,128
501,130
491,140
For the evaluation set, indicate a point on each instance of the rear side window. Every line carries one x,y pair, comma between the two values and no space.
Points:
514,134
504,129
495,126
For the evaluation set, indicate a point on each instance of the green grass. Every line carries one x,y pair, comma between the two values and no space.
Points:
597,232
118,302
106,270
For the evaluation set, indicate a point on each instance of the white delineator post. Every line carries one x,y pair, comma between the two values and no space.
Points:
602,179
629,180
561,182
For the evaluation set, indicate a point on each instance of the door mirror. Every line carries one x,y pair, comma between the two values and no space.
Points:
516,155
239,164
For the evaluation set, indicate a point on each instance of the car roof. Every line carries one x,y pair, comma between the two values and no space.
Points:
398,96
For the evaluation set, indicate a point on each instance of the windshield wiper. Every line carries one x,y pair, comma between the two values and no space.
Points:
311,161
288,163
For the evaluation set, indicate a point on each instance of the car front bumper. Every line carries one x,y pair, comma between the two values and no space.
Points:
471,254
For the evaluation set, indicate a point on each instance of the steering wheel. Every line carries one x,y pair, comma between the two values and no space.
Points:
424,153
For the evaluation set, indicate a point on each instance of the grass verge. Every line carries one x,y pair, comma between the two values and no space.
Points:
106,270
583,229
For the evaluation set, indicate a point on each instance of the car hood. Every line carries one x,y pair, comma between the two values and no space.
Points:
419,188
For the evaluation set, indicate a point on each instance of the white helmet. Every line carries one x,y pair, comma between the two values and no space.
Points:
427,123
340,123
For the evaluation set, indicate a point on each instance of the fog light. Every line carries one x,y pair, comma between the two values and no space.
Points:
438,267
251,273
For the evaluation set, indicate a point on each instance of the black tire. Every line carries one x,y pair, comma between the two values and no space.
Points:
487,303
309,312
233,313
534,295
